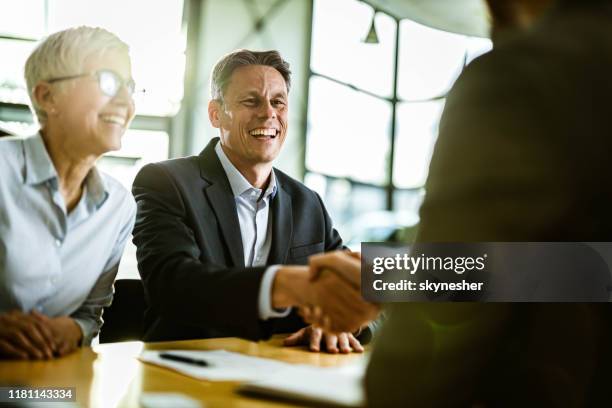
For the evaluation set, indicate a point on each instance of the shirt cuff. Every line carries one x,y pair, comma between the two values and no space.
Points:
89,330
266,311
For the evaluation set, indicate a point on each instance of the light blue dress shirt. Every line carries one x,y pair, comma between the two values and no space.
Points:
253,207
59,263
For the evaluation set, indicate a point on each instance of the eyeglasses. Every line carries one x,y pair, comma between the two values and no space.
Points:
108,81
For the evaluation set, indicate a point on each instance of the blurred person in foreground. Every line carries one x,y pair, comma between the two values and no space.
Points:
63,223
222,237
522,155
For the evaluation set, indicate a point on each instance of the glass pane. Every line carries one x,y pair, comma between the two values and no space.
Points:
364,215
139,147
408,201
157,50
23,18
365,199
128,266
11,127
348,204
335,193
318,183
430,61
476,47
417,130
338,28
348,132
12,83
406,204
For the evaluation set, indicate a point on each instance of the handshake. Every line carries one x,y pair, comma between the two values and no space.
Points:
327,293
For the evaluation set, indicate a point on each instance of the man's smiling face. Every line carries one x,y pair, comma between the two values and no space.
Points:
252,117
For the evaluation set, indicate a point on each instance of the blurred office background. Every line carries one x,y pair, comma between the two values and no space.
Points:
369,85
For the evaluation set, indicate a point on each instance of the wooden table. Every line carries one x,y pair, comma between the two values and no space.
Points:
110,375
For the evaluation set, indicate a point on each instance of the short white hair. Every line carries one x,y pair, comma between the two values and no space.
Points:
63,54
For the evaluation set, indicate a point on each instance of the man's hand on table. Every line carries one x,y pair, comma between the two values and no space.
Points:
34,336
314,337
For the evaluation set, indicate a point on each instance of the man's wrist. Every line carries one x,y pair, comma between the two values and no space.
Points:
288,286
77,330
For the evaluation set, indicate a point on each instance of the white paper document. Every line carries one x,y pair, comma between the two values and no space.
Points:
341,386
222,365
168,399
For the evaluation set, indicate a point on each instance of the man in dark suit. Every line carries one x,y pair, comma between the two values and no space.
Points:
220,235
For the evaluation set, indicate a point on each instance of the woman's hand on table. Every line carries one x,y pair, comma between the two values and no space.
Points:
25,336
66,334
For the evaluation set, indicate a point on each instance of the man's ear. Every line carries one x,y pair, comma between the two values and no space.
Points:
214,113
44,97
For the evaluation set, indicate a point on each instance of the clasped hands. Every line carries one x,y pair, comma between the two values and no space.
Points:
330,300
35,336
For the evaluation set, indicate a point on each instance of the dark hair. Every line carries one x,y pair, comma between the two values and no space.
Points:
224,68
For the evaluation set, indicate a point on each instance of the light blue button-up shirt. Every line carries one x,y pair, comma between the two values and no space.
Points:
59,263
253,207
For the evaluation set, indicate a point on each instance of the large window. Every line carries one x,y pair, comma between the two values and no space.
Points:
158,66
373,109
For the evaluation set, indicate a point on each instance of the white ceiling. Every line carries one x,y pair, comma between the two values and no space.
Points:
469,17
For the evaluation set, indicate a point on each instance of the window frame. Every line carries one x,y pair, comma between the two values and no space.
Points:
389,186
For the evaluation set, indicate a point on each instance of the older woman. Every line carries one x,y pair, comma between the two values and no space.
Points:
63,223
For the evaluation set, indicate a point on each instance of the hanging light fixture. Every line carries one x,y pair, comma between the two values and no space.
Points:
372,36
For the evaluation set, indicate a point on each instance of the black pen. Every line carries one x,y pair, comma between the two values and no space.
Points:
183,359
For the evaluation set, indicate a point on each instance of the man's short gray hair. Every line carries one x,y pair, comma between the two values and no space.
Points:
222,72
64,53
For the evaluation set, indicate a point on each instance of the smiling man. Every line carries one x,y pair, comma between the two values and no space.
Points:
222,236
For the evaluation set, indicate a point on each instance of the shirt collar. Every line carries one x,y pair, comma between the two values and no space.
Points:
96,187
38,164
238,182
39,168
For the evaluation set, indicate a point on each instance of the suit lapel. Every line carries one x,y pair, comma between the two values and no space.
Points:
219,194
282,227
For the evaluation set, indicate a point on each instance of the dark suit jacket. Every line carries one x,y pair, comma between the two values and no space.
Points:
523,154
190,254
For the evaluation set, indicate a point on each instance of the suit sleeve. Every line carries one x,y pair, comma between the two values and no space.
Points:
177,284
